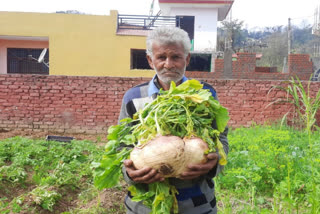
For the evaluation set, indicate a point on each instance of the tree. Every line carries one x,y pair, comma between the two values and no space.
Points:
232,31
276,51
271,42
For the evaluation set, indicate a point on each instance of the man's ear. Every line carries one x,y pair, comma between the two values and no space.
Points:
150,61
188,59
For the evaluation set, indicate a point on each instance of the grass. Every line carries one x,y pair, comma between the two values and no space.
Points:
268,171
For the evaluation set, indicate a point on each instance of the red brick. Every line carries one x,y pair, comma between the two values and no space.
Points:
96,110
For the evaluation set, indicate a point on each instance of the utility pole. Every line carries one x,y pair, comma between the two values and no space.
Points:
151,8
289,36
227,56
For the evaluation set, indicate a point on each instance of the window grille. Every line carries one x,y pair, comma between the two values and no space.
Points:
24,61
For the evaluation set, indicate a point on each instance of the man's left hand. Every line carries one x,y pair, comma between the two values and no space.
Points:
197,170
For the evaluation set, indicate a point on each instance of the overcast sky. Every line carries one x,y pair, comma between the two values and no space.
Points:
255,13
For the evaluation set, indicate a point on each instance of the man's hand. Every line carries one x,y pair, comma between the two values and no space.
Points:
197,170
145,175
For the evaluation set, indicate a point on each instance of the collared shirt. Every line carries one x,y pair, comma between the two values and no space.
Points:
154,85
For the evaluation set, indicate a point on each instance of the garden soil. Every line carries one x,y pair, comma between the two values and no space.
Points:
42,135
109,199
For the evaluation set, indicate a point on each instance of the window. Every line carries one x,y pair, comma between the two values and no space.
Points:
199,62
186,23
25,61
139,59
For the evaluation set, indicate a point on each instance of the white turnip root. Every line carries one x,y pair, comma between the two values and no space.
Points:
195,149
163,153
170,155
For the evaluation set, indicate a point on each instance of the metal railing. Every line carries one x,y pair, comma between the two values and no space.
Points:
144,22
316,76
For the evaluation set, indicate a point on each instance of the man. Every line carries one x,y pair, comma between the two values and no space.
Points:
168,54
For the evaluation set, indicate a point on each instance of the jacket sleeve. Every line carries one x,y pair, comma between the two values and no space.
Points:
124,114
126,177
224,140
123,111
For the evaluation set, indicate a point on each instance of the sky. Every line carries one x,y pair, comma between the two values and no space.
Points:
254,13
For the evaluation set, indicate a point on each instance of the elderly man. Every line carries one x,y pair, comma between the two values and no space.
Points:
168,54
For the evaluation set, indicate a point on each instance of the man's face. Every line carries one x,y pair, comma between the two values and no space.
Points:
169,61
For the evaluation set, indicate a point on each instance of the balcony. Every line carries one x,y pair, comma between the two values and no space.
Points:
141,24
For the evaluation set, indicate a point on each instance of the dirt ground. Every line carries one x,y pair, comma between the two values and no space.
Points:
42,135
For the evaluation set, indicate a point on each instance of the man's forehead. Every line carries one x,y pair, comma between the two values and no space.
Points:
172,47
167,43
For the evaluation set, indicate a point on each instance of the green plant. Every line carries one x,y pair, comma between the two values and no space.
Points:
57,170
269,171
263,162
45,197
305,105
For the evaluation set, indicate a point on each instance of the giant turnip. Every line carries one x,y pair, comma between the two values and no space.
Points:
170,155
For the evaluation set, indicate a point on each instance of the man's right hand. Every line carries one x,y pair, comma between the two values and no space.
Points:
145,175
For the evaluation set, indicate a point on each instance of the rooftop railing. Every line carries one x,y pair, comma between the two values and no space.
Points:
144,22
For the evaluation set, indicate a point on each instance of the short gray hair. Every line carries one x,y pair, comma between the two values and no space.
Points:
167,35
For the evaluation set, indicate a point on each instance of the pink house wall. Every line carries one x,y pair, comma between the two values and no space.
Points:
4,44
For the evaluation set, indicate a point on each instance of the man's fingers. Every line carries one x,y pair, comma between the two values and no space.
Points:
212,161
151,177
199,167
191,174
128,163
197,170
133,173
146,176
203,167
212,156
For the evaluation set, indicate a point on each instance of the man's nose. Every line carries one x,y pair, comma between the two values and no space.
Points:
169,63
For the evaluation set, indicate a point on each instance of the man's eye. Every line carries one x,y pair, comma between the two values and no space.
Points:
162,57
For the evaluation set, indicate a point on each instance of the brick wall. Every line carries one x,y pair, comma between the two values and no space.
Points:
300,64
245,68
266,69
69,104
61,103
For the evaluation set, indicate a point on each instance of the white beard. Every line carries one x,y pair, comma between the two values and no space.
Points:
167,80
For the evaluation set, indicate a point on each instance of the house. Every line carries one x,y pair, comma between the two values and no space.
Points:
200,19
91,45
79,45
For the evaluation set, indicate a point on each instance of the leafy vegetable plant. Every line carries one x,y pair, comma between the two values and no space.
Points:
306,107
184,111
270,170
38,174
